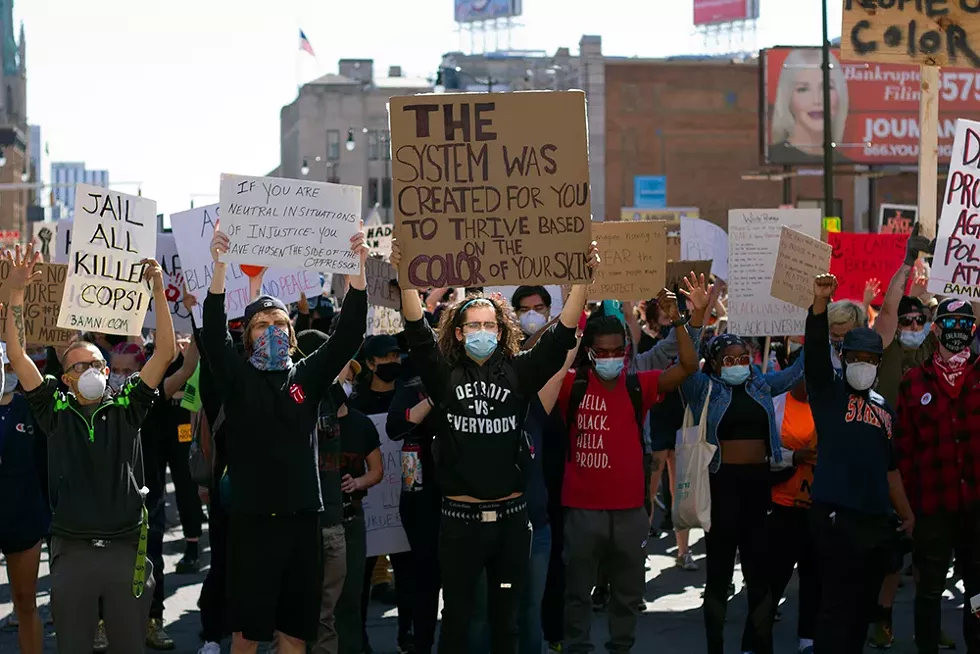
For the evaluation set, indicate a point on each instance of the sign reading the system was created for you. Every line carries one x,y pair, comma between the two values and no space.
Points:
753,244
956,263
286,223
634,260
799,260
112,233
926,32
491,188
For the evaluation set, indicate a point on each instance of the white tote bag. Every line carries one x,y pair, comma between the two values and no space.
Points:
692,457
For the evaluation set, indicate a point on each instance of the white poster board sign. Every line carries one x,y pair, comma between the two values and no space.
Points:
173,279
956,264
702,240
378,238
289,223
383,320
104,290
753,243
62,241
193,231
383,523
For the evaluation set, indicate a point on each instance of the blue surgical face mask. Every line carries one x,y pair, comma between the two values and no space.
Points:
271,350
735,375
914,339
480,345
609,369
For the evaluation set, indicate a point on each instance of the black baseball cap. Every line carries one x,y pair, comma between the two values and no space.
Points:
954,307
264,302
380,346
863,339
909,305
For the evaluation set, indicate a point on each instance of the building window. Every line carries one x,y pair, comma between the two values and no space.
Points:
386,193
386,145
372,192
333,145
373,148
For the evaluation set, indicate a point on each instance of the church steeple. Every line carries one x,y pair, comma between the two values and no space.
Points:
23,50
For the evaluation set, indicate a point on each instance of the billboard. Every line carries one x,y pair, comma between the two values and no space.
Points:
874,109
471,11
714,12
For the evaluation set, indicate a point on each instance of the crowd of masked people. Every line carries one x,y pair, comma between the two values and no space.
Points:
535,446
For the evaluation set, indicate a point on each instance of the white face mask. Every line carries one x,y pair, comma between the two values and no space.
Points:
532,321
861,376
10,382
91,385
116,380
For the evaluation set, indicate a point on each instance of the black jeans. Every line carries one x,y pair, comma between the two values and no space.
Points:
937,538
174,453
789,531
553,604
467,548
404,574
852,557
420,512
740,501
154,552
215,612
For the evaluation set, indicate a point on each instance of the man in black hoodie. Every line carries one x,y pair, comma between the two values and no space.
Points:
95,468
271,404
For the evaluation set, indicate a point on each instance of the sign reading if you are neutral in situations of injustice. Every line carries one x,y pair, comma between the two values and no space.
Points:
927,32
491,188
105,291
287,223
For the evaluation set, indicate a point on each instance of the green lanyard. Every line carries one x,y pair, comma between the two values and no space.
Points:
139,573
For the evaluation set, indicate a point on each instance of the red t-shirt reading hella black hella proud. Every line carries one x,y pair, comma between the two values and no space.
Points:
605,469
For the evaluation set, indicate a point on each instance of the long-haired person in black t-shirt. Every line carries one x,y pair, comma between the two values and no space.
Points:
481,385
271,407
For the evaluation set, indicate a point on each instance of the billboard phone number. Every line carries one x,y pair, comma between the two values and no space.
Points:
903,150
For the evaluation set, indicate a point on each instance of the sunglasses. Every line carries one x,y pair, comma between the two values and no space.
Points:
743,360
82,366
607,354
912,319
952,322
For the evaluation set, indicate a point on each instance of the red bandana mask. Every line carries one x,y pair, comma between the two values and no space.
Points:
952,372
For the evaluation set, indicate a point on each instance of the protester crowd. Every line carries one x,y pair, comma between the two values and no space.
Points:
535,447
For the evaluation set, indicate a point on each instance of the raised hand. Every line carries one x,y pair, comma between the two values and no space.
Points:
871,289
22,266
593,260
153,273
920,283
189,300
395,258
219,243
697,291
667,302
917,243
824,286
359,247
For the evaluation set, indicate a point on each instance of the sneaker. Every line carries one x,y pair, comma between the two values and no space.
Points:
881,636
600,599
210,647
687,562
101,642
555,647
156,637
945,642
188,565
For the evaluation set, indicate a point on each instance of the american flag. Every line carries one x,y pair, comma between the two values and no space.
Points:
304,44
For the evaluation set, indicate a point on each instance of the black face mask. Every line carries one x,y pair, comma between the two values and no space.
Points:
388,372
955,339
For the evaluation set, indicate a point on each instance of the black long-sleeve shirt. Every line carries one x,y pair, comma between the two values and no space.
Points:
271,416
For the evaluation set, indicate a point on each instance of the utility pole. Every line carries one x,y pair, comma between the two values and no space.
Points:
828,144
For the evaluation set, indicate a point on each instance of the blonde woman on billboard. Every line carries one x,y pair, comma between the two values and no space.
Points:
797,112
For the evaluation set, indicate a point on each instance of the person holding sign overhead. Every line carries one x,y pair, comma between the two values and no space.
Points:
271,404
482,384
95,467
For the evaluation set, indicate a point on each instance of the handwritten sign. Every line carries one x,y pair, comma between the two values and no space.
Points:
42,300
678,270
382,320
173,279
193,231
491,188
382,521
956,264
378,238
859,257
380,291
896,218
753,245
935,33
288,223
702,240
634,256
799,260
112,233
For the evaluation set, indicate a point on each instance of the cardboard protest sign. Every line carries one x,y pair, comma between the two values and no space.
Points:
286,223
378,238
42,300
702,240
897,218
936,33
382,320
193,231
173,278
491,188
956,264
380,291
382,520
753,244
634,260
799,260
859,257
112,233
678,270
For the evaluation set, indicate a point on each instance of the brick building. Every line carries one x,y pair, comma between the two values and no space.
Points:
697,122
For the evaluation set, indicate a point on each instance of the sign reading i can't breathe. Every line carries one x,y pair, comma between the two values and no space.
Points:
930,32
112,233
286,223
491,188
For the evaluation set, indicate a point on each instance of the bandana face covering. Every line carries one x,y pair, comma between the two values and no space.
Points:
271,350
951,372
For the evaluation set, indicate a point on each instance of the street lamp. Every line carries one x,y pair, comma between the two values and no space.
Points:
305,168
25,175
350,145
3,158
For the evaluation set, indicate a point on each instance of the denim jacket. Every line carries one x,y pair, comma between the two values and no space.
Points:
761,387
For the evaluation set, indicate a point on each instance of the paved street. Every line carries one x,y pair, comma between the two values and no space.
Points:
671,625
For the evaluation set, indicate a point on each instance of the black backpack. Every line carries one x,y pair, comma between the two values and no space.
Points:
581,384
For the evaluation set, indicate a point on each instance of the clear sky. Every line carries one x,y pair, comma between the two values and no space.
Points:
171,94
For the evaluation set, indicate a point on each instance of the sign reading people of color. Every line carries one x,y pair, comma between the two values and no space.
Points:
874,107
105,291
491,188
